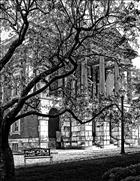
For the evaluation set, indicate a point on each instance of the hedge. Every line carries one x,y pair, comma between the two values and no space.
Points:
132,178
118,173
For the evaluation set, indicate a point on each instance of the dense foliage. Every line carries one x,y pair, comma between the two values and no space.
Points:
120,173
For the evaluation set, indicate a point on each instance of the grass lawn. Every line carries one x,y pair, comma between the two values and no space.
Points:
86,170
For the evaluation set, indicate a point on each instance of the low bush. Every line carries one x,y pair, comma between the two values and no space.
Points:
132,178
119,173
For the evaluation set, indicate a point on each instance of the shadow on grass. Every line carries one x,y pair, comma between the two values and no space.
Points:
85,170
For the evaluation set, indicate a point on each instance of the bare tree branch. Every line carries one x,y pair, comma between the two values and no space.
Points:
10,103
13,46
62,112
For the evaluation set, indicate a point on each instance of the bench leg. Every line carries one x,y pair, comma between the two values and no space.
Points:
51,159
24,161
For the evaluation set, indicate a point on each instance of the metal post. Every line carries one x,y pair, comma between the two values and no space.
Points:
94,131
70,132
122,125
110,128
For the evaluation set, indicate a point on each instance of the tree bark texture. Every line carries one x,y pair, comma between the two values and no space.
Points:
7,170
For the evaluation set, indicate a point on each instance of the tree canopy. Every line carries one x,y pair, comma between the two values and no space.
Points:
54,34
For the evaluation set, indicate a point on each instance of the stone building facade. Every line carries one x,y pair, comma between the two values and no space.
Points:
99,76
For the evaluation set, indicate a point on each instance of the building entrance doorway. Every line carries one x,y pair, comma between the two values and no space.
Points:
54,129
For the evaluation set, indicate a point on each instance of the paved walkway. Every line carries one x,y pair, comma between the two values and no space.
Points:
91,153
70,155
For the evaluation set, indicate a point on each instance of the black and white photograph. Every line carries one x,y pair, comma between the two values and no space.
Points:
69,90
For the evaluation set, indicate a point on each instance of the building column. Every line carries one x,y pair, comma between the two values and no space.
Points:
129,86
45,105
43,132
93,78
109,83
116,78
102,76
106,133
88,134
84,77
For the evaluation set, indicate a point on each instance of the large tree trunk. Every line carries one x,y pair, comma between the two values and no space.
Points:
7,163
7,170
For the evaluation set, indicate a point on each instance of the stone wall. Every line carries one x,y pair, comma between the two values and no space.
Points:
76,134
20,161
18,145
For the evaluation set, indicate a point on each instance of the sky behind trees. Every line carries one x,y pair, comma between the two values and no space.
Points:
136,61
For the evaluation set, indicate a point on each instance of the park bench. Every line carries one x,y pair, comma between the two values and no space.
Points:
37,156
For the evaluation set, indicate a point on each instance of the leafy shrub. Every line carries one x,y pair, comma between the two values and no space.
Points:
118,173
132,178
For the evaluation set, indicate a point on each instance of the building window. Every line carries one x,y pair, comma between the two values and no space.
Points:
15,127
16,85
14,147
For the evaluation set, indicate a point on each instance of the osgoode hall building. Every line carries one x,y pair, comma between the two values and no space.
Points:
94,77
